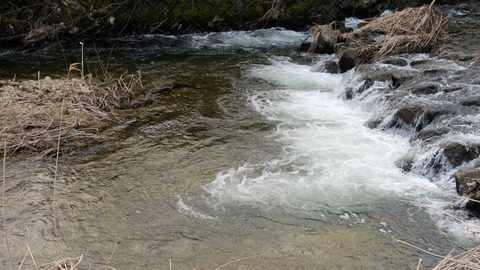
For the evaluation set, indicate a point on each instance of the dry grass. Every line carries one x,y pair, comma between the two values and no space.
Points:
64,264
469,259
413,30
30,110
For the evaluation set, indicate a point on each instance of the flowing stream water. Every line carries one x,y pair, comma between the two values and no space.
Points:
254,155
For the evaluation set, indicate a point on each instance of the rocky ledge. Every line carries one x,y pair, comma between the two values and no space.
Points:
434,98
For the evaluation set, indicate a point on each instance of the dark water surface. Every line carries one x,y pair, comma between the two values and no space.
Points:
254,154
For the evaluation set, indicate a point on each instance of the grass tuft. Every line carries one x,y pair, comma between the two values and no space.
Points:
29,110
413,30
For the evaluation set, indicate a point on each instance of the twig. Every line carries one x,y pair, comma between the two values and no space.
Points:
83,74
421,249
23,260
79,261
31,255
419,264
129,17
111,255
4,202
237,260
55,176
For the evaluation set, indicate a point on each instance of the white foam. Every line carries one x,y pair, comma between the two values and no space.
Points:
330,159
232,41
185,209
287,75
353,22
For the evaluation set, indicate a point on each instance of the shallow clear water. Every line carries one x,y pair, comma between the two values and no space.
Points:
256,155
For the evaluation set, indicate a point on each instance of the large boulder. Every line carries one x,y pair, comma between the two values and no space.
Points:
468,184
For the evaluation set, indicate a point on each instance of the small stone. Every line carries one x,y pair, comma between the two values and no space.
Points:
396,62
431,133
474,101
426,90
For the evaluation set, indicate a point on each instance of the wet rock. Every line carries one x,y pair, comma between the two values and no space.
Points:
345,30
467,7
395,61
452,207
465,181
399,79
373,122
338,47
405,164
428,89
348,59
475,101
432,133
457,153
396,76
396,96
416,116
434,72
418,63
331,67
452,89
304,46
348,93
468,184
324,39
407,115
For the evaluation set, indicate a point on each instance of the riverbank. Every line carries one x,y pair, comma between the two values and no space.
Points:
35,23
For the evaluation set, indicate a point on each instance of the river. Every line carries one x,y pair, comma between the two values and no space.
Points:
253,155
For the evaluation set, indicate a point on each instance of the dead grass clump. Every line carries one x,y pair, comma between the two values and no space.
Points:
65,264
30,111
413,30
469,259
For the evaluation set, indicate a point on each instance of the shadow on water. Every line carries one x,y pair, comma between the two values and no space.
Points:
142,191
